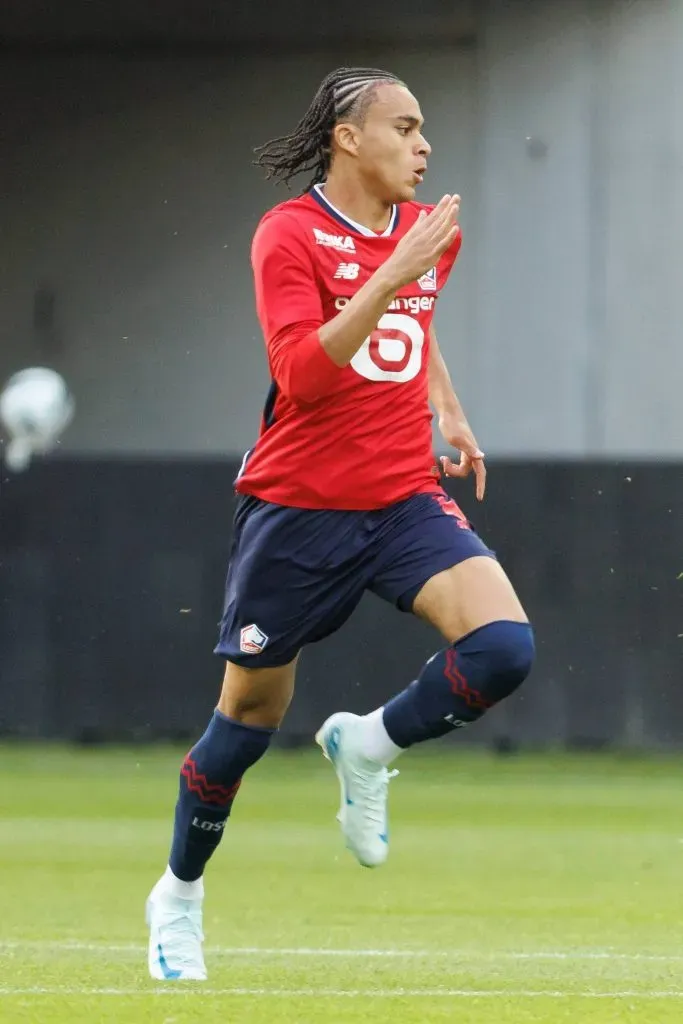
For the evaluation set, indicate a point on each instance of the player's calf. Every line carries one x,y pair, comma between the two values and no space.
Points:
251,706
455,688
209,780
210,777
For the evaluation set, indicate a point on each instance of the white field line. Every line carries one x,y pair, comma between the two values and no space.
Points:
303,951
201,992
366,993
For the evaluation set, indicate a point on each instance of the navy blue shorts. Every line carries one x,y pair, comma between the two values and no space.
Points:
296,575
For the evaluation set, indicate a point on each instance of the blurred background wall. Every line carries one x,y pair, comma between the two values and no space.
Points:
128,204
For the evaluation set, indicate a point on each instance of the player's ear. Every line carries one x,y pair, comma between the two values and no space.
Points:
346,136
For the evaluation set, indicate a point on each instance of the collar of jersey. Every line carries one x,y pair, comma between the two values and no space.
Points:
320,197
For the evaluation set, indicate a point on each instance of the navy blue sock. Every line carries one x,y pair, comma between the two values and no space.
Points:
209,779
459,684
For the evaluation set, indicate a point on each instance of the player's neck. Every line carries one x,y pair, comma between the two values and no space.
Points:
357,204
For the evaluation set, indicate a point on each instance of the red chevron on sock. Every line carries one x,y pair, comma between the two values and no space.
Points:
461,687
208,792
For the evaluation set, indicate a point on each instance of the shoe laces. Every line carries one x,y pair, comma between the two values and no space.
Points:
372,786
178,922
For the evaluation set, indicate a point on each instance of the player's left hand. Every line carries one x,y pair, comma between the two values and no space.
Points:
457,433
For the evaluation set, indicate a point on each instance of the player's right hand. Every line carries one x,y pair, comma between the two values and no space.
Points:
427,240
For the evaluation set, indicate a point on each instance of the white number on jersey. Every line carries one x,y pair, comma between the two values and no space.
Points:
393,351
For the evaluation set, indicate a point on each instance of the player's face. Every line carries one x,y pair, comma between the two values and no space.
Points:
392,151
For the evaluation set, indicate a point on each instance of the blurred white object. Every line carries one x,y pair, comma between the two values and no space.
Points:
35,408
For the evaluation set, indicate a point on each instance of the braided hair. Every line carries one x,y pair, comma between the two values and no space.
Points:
344,93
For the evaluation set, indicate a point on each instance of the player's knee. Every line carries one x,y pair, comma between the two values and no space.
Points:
506,652
257,696
511,645
488,665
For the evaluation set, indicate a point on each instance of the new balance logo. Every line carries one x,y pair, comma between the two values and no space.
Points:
347,271
342,242
428,281
252,639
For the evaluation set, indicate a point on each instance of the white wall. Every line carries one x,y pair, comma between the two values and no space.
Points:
534,276
642,155
579,298
130,192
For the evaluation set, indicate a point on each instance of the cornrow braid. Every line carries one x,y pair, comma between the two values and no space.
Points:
342,93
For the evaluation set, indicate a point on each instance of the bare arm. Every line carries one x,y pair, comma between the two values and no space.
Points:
441,392
453,424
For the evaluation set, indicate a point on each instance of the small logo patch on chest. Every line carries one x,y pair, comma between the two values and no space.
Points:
347,272
428,281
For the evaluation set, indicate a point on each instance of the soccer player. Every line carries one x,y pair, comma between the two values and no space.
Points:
340,493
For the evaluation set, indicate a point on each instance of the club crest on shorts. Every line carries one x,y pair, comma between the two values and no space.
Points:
252,639
428,281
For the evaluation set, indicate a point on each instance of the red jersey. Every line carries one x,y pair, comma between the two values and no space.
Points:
359,436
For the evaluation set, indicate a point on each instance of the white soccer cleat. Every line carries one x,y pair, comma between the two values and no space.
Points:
364,788
175,937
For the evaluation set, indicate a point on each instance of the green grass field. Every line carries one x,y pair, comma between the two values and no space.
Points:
518,889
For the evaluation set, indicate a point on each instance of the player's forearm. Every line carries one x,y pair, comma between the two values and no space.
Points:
441,392
342,336
306,362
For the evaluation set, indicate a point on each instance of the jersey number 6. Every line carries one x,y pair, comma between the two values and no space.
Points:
393,351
